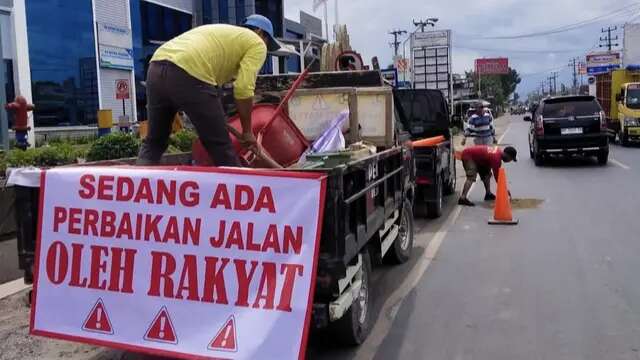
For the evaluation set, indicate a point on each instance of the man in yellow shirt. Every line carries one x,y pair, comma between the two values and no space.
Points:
185,74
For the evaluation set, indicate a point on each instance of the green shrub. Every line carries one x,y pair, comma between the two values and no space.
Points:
183,139
20,158
45,156
113,146
3,165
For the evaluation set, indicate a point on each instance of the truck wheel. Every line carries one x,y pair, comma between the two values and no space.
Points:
402,247
450,186
538,159
624,140
354,326
434,208
603,157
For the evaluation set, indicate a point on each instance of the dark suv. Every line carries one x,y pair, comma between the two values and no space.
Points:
567,125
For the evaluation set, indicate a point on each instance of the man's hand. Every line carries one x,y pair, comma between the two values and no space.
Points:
248,140
495,141
464,141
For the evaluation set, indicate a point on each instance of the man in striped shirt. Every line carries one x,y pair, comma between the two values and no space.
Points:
480,127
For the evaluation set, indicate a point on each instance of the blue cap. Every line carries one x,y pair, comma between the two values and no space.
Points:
264,24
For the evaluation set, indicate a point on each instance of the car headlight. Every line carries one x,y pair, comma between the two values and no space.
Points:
629,121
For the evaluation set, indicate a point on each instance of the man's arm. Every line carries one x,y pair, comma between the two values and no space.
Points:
244,87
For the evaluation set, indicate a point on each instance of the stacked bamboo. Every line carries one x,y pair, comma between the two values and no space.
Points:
331,51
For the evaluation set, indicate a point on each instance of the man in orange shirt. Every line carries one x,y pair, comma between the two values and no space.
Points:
482,160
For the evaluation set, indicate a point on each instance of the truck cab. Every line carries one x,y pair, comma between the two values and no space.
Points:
628,105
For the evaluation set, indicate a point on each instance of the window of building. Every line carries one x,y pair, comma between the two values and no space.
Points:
160,24
151,26
207,12
63,63
223,11
272,9
240,11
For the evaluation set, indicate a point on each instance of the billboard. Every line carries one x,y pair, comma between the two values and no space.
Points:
495,66
431,38
431,61
312,24
598,63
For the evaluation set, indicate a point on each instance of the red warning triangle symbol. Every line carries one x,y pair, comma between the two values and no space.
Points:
225,339
161,328
98,320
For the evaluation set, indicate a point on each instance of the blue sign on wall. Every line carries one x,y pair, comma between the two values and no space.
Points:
602,69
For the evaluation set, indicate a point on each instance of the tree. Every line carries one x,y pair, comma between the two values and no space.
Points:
498,88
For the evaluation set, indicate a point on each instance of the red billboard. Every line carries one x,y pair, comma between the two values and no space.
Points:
496,66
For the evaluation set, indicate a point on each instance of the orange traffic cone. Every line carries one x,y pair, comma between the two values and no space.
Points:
502,212
428,142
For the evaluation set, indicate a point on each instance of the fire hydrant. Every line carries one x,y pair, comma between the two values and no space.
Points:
20,108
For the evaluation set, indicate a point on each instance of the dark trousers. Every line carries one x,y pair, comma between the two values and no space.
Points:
171,89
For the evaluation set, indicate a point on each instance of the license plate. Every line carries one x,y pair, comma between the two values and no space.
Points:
634,131
571,131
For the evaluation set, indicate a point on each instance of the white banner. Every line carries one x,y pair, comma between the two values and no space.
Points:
181,263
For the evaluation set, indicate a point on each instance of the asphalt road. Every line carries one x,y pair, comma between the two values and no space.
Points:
560,285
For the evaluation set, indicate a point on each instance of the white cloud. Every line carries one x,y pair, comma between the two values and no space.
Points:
369,22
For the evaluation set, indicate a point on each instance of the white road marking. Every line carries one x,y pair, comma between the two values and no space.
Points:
504,133
12,287
618,163
393,303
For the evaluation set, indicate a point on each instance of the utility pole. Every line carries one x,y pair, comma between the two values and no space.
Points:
552,83
607,41
396,44
421,24
573,64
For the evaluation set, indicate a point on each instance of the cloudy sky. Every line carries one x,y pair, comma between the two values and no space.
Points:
369,22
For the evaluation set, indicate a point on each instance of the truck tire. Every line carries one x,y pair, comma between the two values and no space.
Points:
538,159
402,247
434,208
624,140
354,326
603,157
450,186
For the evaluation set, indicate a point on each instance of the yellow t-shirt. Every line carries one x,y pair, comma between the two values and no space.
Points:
216,54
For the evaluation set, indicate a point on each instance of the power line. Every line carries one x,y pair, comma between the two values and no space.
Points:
523,51
565,28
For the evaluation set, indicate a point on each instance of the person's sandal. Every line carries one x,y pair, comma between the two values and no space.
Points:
465,202
489,197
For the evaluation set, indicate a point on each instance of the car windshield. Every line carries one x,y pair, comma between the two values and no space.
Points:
633,98
571,108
